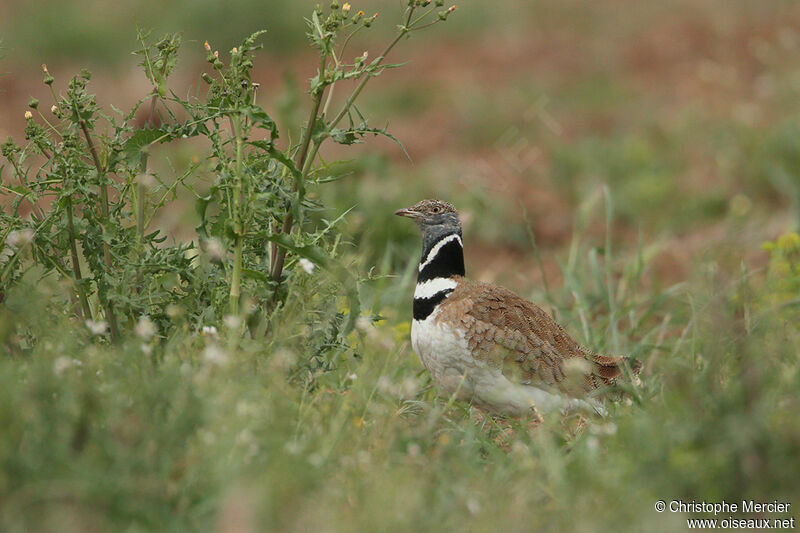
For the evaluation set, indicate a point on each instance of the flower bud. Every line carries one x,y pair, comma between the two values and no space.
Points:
48,79
207,46
28,115
443,14
334,5
8,148
207,78
33,103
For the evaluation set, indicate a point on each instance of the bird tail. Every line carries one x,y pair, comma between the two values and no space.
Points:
610,369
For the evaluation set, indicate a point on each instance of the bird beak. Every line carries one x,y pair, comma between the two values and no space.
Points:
407,212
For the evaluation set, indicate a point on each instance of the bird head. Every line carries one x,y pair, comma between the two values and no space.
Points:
435,218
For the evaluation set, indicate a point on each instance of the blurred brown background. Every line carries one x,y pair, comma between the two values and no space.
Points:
687,111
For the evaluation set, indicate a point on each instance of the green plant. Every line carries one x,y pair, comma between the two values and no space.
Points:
84,178
782,288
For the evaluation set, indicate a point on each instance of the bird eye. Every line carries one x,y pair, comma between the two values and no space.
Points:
436,209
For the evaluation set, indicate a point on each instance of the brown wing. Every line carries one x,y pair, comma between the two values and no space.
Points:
518,336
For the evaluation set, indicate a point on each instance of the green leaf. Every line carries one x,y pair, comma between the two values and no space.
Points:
140,140
200,206
310,252
346,137
260,118
256,275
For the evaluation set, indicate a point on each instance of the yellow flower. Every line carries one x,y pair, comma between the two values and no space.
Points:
28,115
346,7
789,241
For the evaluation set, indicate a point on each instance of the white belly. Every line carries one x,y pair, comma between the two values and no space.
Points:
444,352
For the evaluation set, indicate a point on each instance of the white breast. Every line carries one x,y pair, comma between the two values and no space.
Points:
443,351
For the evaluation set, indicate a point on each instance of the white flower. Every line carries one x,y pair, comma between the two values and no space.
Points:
215,249
174,311
211,331
352,377
363,323
145,329
232,321
19,238
385,385
146,180
306,265
61,365
97,328
214,355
